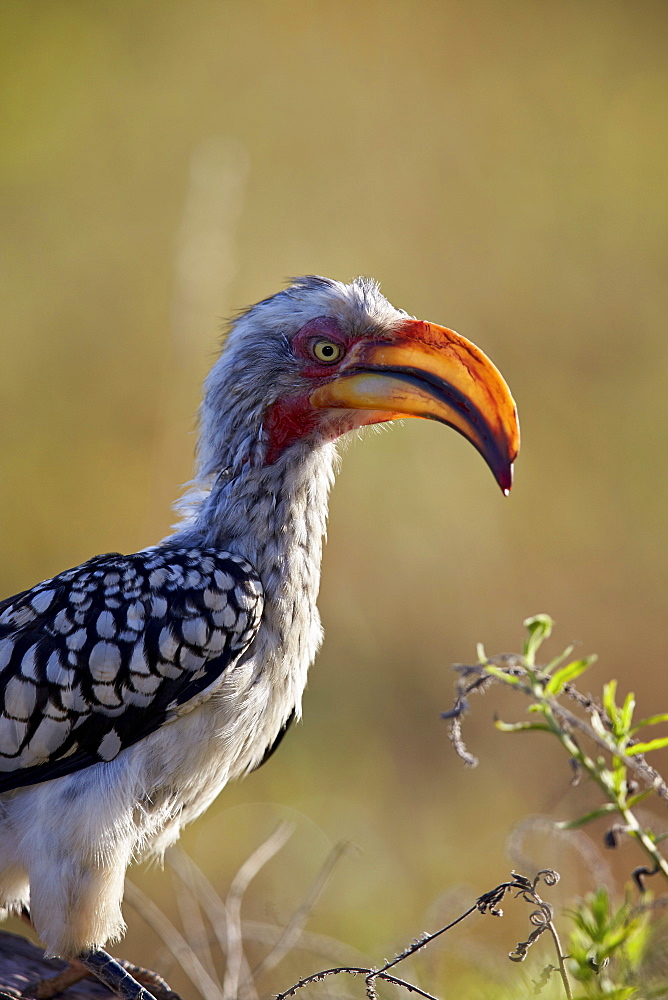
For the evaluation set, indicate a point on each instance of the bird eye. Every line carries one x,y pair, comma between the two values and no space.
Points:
327,351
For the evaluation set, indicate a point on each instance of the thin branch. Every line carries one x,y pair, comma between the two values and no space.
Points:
250,868
192,922
487,903
427,939
208,898
254,930
174,940
294,927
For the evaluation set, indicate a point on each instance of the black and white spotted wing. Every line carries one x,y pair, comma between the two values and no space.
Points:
104,654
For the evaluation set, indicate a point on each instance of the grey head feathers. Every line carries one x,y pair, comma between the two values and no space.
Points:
256,366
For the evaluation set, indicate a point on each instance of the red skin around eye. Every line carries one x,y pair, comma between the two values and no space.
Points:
288,420
323,327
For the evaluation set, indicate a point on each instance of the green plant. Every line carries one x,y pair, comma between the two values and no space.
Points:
608,942
600,738
607,945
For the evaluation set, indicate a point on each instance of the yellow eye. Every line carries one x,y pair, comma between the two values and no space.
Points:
327,351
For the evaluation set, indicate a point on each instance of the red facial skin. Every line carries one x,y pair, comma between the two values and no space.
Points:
288,420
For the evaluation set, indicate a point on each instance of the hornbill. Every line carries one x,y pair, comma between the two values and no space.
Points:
133,687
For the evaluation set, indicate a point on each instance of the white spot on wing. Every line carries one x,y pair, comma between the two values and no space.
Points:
146,684
28,664
6,650
62,623
195,631
168,644
215,599
11,737
42,600
138,661
157,578
158,607
76,640
226,619
168,669
110,745
54,668
135,698
73,699
47,738
105,660
106,695
216,642
20,698
243,599
106,625
190,660
136,617
54,712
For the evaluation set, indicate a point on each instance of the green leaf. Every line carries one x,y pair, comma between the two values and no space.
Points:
609,703
639,797
651,720
520,727
598,727
574,824
539,628
627,712
564,675
649,745
502,675
559,659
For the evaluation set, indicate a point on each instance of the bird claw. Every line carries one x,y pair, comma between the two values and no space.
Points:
45,989
114,976
160,989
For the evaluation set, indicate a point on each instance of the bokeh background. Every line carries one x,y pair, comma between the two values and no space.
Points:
500,168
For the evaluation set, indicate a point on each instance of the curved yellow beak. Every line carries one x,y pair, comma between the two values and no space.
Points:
424,370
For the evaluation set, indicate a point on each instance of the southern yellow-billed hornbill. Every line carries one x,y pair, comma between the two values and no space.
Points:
134,687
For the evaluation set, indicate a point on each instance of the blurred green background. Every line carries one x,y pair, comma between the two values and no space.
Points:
500,168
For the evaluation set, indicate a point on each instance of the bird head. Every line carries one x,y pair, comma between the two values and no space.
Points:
322,358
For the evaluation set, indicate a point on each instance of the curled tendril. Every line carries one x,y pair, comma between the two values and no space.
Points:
542,916
520,952
548,876
641,873
522,947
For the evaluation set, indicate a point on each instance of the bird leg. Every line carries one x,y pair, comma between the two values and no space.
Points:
75,971
133,978
113,975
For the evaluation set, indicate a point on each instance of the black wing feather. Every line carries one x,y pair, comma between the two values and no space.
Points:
104,654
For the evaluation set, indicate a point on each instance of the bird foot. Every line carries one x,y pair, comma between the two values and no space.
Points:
45,989
155,983
113,975
121,977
